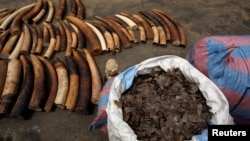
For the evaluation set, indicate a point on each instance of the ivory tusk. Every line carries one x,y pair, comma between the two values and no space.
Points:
21,105
38,92
11,86
73,8
81,12
10,18
59,25
128,21
84,95
73,83
74,36
172,28
46,36
95,46
35,10
51,83
95,77
80,37
146,26
66,27
25,49
50,12
58,40
63,83
42,12
61,10
9,45
3,19
52,43
39,45
15,53
3,74
6,12
124,40
99,35
3,38
34,38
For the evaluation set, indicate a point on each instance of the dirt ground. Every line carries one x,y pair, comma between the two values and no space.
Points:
199,19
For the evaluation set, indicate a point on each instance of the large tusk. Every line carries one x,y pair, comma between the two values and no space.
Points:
25,49
80,37
46,36
60,27
15,53
128,21
3,74
52,83
63,83
34,38
124,40
172,28
39,45
99,35
69,37
11,86
3,38
146,26
73,8
84,95
35,10
16,25
61,10
9,45
95,46
81,12
10,18
74,36
51,11
52,43
21,106
95,77
58,39
73,83
38,92
42,12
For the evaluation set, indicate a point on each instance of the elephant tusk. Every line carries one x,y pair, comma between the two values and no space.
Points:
128,21
35,10
61,10
51,11
52,43
81,12
15,53
42,12
39,45
25,49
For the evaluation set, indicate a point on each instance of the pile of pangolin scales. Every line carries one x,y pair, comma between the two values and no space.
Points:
32,76
165,106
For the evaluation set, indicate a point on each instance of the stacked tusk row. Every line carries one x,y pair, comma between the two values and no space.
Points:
32,76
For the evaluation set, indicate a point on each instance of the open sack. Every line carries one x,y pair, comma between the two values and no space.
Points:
226,61
118,129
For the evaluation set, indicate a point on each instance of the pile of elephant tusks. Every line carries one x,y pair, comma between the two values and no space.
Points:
33,78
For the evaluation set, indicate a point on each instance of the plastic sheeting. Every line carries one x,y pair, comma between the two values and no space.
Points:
226,61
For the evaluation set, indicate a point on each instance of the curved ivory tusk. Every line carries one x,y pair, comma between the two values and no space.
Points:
58,39
117,43
21,106
95,46
42,12
11,86
61,10
51,84
51,11
95,77
9,45
84,95
15,53
3,19
80,38
52,43
35,10
4,25
46,36
3,74
16,24
146,26
59,25
25,49
128,21
66,27
39,45
38,92
74,36
99,35
80,9
34,38
63,83
73,8
3,37
73,83
172,28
